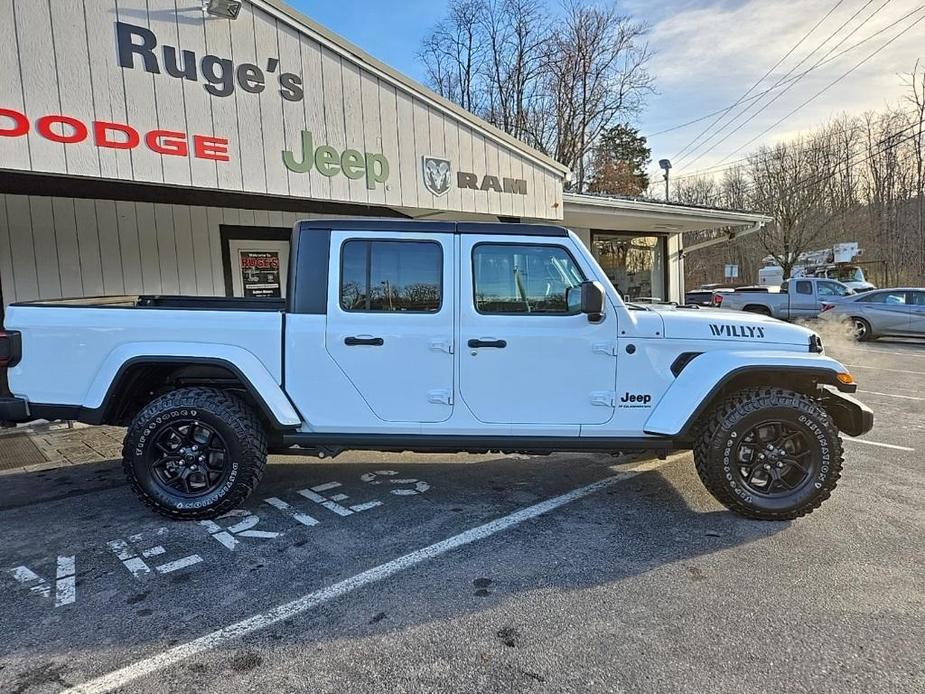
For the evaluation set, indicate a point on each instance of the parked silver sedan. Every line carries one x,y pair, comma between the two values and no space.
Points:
896,312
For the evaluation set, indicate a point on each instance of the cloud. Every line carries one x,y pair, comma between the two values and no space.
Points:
708,52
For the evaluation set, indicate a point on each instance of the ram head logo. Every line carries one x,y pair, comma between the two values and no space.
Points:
436,175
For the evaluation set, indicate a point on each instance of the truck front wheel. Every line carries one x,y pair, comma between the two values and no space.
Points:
769,453
195,453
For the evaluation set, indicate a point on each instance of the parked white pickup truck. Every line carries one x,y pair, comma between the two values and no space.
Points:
434,336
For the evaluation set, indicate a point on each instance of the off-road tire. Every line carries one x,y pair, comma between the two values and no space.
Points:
740,413
238,425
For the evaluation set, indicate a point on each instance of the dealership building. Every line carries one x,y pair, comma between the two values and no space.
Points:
152,147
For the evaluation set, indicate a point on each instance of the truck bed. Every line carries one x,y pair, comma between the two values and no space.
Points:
72,349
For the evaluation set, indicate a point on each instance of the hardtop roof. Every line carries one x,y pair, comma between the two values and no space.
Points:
433,226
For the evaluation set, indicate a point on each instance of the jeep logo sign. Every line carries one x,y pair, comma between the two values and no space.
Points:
329,162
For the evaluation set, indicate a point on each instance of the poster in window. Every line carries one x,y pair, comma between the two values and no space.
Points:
260,273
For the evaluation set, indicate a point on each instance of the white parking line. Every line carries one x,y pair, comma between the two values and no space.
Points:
880,368
869,350
882,445
120,678
891,395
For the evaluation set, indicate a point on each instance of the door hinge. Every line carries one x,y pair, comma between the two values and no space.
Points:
604,398
440,397
608,348
442,346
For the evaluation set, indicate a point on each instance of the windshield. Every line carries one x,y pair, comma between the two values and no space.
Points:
848,273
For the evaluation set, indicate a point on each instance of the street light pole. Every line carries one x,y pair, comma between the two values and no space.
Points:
665,166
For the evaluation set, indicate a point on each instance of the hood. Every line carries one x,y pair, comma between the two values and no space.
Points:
736,327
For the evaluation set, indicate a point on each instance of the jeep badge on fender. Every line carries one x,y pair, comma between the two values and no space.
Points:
640,400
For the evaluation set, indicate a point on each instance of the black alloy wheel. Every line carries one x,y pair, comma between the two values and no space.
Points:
774,459
189,458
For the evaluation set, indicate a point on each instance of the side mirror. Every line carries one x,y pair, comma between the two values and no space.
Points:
592,300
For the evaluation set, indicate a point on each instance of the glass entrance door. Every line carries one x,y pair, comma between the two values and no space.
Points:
634,263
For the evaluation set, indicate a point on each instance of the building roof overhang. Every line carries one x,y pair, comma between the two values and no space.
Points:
626,214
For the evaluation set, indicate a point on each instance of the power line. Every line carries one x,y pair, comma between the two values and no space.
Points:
780,80
824,89
791,79
719,168
765,75
794,82
850,164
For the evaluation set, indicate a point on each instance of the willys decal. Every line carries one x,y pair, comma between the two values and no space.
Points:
742,332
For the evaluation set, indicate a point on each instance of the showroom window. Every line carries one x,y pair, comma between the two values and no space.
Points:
391,276
525,279
635,264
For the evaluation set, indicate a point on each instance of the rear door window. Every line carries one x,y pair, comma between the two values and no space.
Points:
391,276
891,298
831,289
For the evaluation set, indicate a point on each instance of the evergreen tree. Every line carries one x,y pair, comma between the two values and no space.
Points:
619,162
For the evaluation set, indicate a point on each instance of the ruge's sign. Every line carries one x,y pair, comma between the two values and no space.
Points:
221,75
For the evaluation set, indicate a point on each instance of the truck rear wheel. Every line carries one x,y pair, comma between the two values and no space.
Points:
195,453
769,453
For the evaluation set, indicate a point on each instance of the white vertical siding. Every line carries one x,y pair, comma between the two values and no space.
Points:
39,86
141,106
47,270
64,247
15,151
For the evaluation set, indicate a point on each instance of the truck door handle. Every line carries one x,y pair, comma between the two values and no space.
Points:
499,344
371,341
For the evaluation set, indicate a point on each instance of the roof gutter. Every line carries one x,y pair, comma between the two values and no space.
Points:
728,236
721,217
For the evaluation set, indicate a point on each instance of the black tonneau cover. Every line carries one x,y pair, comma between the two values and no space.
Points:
155,301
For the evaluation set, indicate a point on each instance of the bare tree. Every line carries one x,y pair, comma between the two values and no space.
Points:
597,72
517,36
453,54
915,82
789,182
556,90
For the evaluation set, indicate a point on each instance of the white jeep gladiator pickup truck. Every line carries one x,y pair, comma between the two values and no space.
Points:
434,336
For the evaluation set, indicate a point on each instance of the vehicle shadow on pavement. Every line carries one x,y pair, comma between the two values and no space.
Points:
647,522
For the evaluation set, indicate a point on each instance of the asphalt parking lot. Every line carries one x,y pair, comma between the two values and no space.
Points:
411,573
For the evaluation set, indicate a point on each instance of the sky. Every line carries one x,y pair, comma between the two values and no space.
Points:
706,55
